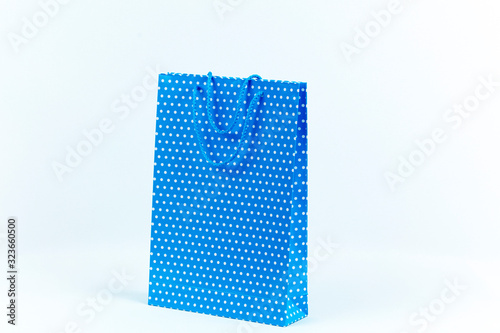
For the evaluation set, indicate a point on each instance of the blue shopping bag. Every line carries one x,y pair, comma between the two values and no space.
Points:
229,220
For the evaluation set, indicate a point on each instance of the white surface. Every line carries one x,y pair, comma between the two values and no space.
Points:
396,248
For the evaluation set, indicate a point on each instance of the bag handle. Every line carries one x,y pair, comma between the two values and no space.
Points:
246,124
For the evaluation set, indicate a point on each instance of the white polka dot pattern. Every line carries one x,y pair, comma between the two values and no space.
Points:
230,240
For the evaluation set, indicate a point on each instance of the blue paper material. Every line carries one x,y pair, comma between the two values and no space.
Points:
229,220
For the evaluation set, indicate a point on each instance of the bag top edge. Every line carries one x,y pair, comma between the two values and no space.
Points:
230,77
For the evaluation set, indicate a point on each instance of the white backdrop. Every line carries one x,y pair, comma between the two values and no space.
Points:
403,102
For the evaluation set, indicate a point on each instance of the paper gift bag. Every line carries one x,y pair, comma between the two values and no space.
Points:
229,220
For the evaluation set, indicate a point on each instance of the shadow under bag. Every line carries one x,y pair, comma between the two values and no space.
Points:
229,220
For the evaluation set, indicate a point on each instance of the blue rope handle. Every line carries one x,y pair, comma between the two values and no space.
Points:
241,99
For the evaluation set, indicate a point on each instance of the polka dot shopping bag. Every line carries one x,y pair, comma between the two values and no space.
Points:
229,220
